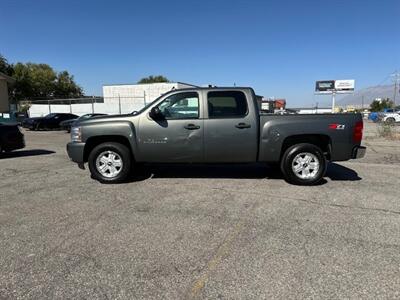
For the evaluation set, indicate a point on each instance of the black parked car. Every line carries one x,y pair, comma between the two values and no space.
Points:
51,121
66,125
11,138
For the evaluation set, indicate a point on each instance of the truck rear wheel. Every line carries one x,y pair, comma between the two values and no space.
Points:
110,162
303,164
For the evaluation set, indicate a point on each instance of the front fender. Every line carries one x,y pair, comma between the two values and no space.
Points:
119,128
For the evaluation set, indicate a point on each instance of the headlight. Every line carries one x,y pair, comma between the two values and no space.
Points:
76,134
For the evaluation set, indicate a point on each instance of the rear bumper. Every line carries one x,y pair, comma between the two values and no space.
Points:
358,152
75,152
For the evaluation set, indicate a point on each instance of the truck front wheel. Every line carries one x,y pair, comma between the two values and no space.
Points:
110,162
303,164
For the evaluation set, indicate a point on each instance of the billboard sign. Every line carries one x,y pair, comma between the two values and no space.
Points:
344,85
334,86
325,86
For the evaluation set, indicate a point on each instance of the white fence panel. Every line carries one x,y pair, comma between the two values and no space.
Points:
81,109
112,107
60,108
38,110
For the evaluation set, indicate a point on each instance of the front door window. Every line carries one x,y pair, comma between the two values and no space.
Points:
180,106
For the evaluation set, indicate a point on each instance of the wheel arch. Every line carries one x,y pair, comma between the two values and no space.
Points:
94,141
322,141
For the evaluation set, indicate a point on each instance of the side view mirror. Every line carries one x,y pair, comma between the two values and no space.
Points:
155,113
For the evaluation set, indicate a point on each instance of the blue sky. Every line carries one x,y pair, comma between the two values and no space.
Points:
278,47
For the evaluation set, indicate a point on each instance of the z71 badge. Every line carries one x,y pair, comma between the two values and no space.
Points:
337,126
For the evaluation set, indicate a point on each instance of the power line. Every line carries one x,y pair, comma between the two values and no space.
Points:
384,80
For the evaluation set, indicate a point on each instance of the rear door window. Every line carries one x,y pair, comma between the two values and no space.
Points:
227,104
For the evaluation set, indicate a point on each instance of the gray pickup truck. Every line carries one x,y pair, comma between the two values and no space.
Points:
215,125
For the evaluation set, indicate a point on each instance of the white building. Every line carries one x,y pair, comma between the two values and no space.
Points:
118,99
139,94
319,110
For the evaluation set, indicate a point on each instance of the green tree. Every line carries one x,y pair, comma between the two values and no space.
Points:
33,81
65,86
40,81
153,79
381,105
5,67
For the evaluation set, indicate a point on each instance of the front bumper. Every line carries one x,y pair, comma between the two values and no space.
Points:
76,152
358,152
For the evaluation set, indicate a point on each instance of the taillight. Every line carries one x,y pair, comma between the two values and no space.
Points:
358,132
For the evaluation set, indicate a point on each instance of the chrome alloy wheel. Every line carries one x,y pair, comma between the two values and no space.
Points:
109,164
305,165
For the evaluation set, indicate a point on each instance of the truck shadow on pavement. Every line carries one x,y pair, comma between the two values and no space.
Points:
23,153
238,171
341,173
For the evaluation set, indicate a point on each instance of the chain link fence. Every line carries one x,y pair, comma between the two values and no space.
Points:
81,106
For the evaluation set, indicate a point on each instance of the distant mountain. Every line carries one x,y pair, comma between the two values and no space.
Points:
369,93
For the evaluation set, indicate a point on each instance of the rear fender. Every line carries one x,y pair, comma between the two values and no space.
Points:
275,132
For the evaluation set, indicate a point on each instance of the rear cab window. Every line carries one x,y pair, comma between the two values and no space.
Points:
226,104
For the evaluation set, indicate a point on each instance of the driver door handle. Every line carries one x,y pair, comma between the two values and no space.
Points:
242,125
192,127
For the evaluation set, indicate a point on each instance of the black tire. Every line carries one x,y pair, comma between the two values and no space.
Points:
290,160
124,155
390,121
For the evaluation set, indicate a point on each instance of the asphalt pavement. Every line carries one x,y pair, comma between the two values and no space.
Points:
198,232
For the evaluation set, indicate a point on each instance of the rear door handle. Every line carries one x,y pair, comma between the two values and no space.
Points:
192,127
242,125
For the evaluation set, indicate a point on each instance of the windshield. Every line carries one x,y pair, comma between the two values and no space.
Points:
85,117
50,115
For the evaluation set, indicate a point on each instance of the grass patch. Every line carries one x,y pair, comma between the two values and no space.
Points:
389,131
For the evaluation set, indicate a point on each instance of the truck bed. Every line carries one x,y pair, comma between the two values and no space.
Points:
338,128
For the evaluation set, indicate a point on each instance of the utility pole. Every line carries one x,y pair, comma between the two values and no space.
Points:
119,103
362,102
333,101
396,79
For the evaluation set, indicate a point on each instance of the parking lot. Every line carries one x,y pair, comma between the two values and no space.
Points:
198,232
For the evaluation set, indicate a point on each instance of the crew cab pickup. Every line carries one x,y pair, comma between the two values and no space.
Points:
215,125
